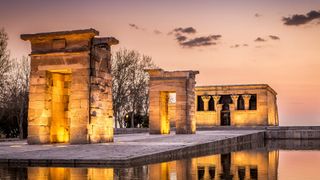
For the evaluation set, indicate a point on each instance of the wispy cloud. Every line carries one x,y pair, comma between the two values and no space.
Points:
259,39
257,15
157,32
187,30
239,45
134,26
235,46
273,37
182,36
201,41
300,19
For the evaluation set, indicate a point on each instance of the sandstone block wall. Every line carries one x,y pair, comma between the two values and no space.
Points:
70,90
160,85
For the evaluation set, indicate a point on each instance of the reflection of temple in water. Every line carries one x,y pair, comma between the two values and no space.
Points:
43,173
242,165
236,165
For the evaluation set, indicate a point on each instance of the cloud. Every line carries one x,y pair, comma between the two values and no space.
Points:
239,45
187,30
180,38
134,26
274,37
235,46
259,39
157,32
201,41
257,15
300,19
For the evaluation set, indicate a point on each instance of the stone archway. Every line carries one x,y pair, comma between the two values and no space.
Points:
160,85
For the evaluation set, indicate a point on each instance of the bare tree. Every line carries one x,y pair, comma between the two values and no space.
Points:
14,83
19,93
129,84
4,64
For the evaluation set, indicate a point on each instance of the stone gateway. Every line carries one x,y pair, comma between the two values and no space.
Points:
70,98
161,84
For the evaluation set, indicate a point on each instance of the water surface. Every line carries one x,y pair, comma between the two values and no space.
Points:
278,162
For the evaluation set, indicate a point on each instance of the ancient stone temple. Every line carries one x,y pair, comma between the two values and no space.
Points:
236,105
161,84
70,98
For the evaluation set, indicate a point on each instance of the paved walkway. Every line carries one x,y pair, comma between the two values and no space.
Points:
126,146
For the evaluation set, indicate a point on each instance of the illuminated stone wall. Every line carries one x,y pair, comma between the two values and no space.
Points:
70,87
265,114
160,85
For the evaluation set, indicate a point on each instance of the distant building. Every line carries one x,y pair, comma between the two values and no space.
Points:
234,105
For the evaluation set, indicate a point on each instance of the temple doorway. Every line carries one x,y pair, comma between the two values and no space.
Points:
167,111
58,91
225,115
225,118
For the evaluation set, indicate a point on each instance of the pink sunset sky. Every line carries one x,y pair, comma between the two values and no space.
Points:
229,42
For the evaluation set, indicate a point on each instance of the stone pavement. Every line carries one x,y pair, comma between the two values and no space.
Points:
127,149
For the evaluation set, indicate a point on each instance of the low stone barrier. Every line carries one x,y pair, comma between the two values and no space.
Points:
130,130
271,132
278,132
292,134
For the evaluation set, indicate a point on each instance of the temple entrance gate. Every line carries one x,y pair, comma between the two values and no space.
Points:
161,84
70,98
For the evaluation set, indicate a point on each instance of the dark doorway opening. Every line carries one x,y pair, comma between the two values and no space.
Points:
225,119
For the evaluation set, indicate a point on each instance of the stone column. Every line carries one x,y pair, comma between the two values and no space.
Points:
216,101
217,108
246,99
235,101
205,100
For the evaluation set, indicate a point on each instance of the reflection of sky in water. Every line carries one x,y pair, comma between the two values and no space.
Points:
249,164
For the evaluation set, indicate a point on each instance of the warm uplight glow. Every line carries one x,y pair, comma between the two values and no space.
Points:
165,123
58,87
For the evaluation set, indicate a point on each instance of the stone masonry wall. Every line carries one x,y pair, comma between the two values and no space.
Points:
180,82
83,106
101,113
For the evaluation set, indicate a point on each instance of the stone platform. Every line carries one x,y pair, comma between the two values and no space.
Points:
129,149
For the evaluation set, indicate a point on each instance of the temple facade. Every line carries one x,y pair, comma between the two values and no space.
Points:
236,105
233,105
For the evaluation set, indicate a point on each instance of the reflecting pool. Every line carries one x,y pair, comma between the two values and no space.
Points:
261,163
